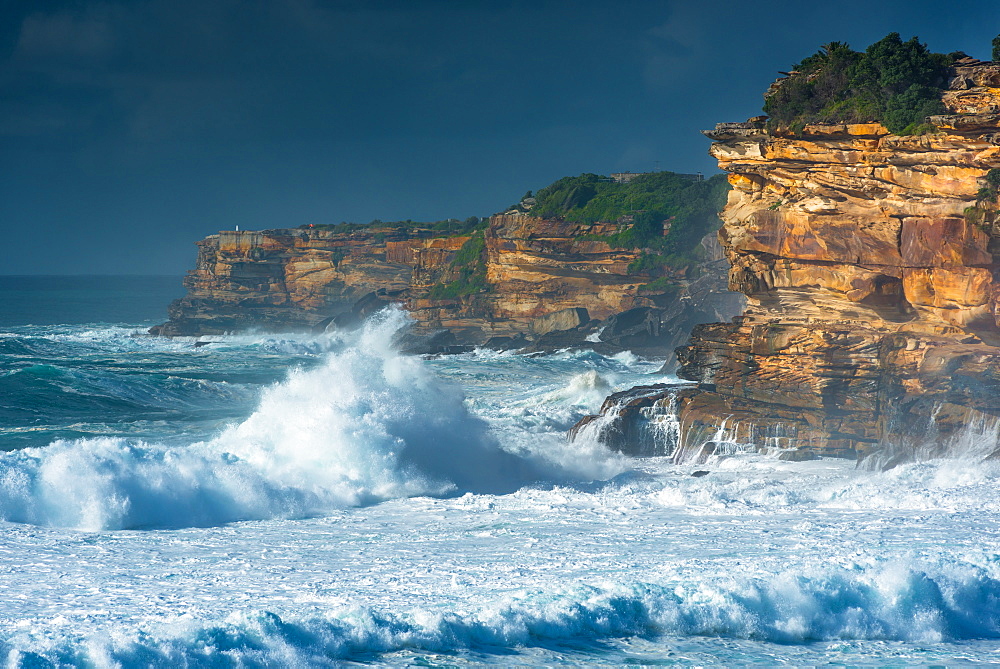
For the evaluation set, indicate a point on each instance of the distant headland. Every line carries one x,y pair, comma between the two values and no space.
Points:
628,261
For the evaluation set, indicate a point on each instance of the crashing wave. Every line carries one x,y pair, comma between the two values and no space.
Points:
919,603
369,424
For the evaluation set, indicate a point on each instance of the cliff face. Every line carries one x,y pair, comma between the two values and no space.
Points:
295,279
539,266
536,267
308,278
873,294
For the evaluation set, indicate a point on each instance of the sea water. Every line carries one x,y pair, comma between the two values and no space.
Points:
294,500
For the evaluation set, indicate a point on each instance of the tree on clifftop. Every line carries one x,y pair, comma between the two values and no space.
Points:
893,82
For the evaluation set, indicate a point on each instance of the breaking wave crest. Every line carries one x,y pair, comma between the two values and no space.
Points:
924,604
368,425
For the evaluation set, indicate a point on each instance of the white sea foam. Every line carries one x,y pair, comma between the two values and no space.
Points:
125,339
893,601
367,425
587,389
598,559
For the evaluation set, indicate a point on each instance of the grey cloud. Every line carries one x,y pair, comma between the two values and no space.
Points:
63,36
670,47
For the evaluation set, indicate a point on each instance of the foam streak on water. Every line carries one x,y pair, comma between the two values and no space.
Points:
372,507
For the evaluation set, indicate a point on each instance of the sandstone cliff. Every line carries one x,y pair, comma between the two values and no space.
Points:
873,294
310,278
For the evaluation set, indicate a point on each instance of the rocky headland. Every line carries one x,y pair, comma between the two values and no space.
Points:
514,281
868,262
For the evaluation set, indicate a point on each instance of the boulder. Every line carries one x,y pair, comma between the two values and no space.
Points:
506,343
413,343
564,319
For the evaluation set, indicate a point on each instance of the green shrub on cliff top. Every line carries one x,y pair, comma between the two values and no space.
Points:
893,82
688,206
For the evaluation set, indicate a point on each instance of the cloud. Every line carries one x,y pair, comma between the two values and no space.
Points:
62,37
231,72
163,70
135,71
670,48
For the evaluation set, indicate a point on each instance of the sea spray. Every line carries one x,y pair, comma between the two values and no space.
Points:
976,441
374,423
587,389
369,424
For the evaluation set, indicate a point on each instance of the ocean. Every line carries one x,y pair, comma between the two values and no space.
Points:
299,500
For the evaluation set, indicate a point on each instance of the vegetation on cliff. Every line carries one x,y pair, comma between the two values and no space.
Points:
983,213
893,82
669,212
662,213
449,227
468,268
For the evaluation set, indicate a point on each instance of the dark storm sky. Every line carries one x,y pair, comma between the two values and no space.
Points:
128,130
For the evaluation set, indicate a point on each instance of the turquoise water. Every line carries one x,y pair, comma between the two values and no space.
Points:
314,501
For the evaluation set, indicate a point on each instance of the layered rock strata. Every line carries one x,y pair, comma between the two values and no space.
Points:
549,281
873,295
